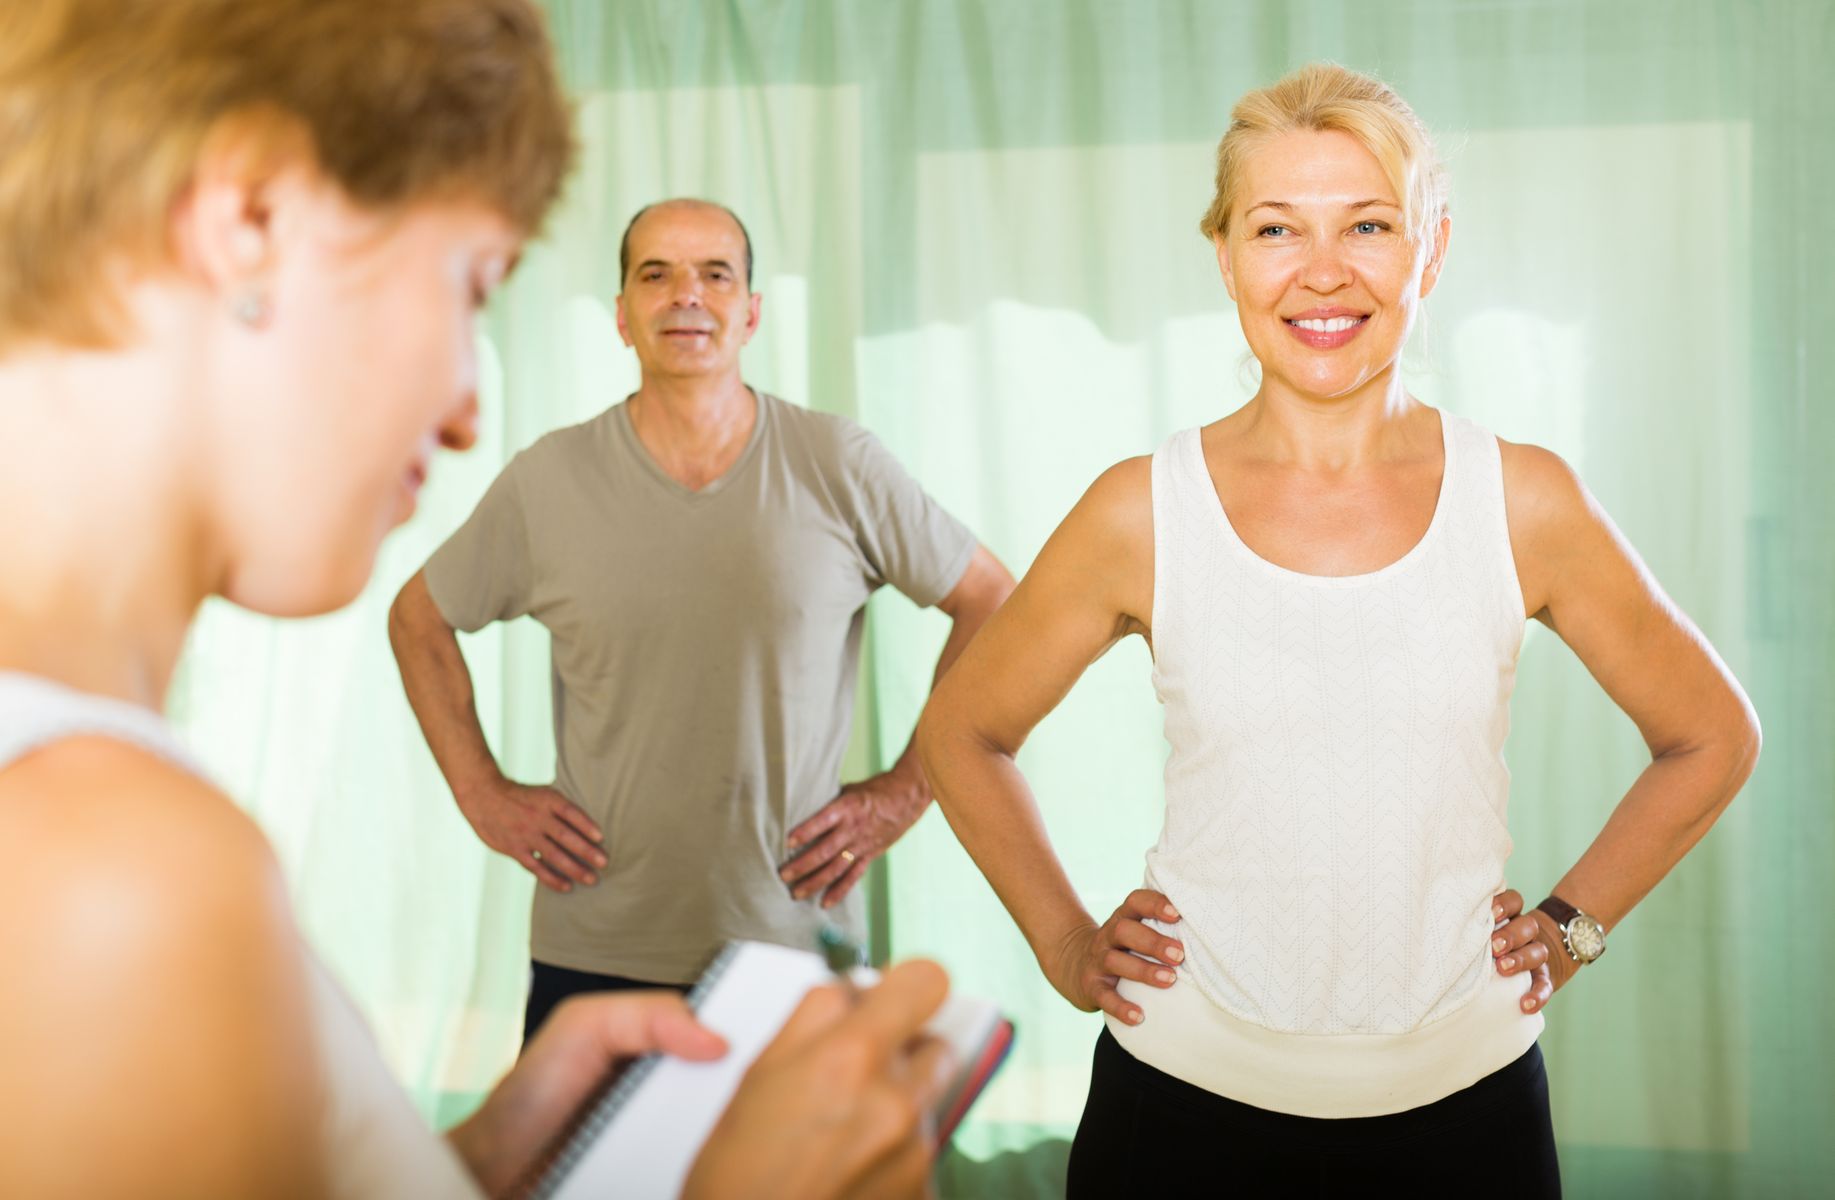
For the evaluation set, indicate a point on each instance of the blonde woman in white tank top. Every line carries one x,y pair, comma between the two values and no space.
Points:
1308,993
240,258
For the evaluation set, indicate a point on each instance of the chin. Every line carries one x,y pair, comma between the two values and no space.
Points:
1328,384
313,588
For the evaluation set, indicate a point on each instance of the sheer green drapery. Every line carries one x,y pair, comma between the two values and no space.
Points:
975,226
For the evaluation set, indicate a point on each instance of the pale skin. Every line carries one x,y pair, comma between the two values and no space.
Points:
157,982
687,310
1331,469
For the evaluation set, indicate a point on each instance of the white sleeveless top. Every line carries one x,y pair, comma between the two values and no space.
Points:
376,1145
1335,802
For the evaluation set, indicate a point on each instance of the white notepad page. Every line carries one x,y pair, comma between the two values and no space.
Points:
648,1148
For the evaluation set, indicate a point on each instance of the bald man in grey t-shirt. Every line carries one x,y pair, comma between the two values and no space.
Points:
701,555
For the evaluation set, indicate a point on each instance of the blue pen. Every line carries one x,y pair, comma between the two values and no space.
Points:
843,955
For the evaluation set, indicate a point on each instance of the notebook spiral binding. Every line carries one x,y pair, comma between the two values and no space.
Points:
599,1111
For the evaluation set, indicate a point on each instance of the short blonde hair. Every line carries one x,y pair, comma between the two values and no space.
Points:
106,105
1325,96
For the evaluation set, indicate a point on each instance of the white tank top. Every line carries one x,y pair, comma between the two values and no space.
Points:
376,1145
1335,801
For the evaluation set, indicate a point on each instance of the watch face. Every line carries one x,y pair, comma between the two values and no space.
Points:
1586,938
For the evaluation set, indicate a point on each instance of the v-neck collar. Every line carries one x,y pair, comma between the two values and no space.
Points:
628,433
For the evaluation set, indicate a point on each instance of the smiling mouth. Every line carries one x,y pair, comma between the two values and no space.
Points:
1327,324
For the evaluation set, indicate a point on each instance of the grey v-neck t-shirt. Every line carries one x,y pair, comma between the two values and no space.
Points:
705,648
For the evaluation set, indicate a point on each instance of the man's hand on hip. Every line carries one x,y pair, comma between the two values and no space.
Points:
851,831
539,828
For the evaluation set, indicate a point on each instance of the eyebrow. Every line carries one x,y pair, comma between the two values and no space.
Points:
1283,206
706,262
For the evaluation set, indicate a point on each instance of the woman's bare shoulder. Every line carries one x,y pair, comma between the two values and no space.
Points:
105,818
1119,504
156,984
1546,501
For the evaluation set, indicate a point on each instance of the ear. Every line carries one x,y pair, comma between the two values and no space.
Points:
754,309
624,331
226,228
1222,242
1436,259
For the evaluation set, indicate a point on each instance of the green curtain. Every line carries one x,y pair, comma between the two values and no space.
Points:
976,233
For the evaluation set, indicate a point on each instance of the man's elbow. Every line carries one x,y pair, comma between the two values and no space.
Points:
408,614
985,587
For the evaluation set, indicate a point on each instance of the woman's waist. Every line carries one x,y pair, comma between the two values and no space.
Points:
1334,929
1190,1036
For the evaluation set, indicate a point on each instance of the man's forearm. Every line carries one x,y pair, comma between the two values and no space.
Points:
439,687
984,588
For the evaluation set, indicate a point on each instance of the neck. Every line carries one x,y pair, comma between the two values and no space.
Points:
685,413
1330,433
105,566
695,430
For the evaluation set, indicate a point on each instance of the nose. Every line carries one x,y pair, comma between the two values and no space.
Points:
687,291
459,431
1325,268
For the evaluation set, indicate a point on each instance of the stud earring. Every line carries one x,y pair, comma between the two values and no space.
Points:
250,307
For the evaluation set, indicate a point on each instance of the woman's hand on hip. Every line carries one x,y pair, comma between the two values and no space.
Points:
1529,942
1093,959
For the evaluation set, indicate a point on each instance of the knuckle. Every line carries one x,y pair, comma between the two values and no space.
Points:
847,1059
898,1112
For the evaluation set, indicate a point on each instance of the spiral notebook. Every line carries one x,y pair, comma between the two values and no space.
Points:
637,1139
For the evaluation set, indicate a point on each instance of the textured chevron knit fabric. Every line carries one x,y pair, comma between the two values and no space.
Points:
1335,802
376,1145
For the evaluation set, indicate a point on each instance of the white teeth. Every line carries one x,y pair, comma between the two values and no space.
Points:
1334,325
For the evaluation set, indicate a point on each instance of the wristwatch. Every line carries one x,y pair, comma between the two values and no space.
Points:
1584,937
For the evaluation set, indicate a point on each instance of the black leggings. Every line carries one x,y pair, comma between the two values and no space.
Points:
1146,1133
548,986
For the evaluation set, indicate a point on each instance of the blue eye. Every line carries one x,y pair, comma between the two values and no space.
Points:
1370,227
1270,230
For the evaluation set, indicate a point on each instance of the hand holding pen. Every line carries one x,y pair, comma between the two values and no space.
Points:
837,1104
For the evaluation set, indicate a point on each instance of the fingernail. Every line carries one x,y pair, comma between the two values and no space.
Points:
1497,943
600,863
1134,1016
1164,976
785,876
1529,1003
1172,914
590,879
1175,954
1497,912
1508,961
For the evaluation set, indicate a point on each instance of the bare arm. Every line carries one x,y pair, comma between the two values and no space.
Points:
536,826
154,1025
1582,579
439,688
869,816
1091,585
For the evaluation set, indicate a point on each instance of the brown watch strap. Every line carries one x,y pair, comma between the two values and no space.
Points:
1559,909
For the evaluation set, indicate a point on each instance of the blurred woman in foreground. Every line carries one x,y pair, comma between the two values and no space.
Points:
242,243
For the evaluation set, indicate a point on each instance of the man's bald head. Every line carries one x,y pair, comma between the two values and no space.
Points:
624,244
